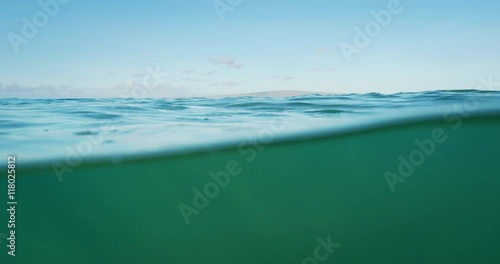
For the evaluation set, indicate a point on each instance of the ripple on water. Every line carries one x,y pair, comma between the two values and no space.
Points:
169,106
95,115
85,133
10,124
326,111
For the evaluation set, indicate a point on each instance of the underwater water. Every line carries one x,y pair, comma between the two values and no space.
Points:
404,178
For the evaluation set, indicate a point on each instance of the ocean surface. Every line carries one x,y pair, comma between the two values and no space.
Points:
44,129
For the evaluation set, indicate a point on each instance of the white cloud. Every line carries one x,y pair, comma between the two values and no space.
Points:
319,69
228,83
209,73
228,62
189,79
281,77
43,91
324,50
138,74
125,90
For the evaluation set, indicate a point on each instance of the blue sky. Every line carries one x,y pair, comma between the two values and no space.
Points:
104,48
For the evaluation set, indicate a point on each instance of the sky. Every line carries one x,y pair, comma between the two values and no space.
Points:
178,48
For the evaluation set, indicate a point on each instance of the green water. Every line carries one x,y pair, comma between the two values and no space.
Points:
282,198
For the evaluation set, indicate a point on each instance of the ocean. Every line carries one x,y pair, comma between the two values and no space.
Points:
39,129
399,178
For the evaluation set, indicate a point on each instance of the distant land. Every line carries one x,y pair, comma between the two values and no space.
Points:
277,93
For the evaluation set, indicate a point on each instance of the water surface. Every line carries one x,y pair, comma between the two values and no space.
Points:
55,128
